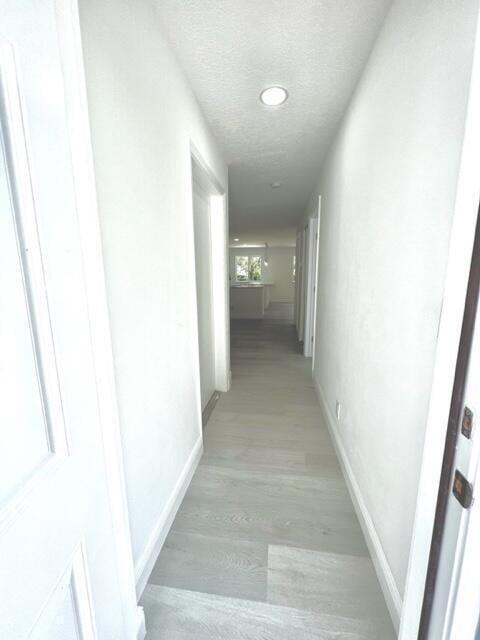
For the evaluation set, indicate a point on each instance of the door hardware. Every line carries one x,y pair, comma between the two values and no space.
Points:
467,423
462,490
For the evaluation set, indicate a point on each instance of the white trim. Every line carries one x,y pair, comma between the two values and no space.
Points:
298,257
221,290
315,296
81,592
302,274
460,253
141,628
312,283
206,175
466,598
309,283
379,559
68,22
202,175
16,154
149,555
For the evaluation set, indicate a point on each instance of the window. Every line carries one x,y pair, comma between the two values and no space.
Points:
255,269
241,268
248,268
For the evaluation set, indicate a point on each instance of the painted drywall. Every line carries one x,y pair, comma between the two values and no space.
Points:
143,117
279,270
388,188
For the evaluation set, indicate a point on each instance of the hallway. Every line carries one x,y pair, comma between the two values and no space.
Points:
266,543
240,257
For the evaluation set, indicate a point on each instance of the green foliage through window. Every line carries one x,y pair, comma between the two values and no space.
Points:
255,269
248,268
241,268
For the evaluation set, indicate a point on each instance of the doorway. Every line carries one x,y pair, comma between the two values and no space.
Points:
300,282
311,284
211,269
306,282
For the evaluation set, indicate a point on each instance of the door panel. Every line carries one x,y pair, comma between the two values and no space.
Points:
68,613
303,271
58,573
462,453
310,286
28,444
456,519
456,516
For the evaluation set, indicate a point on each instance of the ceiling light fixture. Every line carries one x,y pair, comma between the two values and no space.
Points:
273,96
276,185
236,239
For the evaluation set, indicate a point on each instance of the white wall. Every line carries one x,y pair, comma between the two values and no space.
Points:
279,270
143,116
388,187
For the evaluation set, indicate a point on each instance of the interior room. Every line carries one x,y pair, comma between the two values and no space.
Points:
267,270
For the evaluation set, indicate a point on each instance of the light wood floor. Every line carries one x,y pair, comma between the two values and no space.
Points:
266,544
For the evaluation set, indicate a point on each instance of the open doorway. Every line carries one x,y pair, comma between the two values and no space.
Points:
300,281
311,283
211,260
306,282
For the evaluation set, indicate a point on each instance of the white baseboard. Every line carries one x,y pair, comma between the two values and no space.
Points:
141,629
144,565
382,568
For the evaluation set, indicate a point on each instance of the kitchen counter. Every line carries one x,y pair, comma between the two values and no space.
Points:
250,299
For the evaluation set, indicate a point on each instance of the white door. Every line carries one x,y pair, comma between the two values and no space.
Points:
58,576
303,283
446,604
311,287
203,270
297,282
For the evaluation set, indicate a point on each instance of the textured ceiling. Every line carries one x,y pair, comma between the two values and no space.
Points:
231,49
275,236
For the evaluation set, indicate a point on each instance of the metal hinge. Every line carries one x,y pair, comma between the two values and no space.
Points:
467,423
462,490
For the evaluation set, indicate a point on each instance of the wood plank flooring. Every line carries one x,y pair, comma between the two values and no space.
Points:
266,544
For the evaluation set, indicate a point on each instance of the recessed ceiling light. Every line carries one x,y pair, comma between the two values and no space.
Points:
236,239
273,96
276,185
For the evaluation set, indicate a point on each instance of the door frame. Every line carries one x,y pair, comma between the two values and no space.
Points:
312,284
205,177
302,268
444,489
466,599
449,331
70,44
298,241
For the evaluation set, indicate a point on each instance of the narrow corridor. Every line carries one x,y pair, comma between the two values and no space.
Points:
266,543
